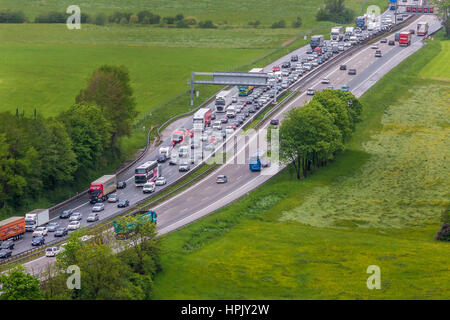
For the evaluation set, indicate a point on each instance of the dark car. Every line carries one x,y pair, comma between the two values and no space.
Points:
221,179
286,64
123,203
378,53
5,253
343,67
274,122
391,43
384,40
38,241
252,109
121,185
66,214
8,244
249,100
294,58
161,158
352,72
224,120
240,120
61,232
412,31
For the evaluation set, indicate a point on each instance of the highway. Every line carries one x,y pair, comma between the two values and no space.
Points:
206,196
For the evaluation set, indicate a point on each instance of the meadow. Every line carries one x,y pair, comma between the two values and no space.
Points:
378,204
230,12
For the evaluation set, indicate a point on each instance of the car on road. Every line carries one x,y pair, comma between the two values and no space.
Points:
378,54
123,203
5,253
229,130
384,40
160,181
184,167
343,67
149,187
286,64
38,241
73,225
310,92
51,251
374,46
66,214
52,226
274,122
221,179
161,158
183,152
174,158
341,47
7,244
330,87
391,43
294,58
217,125
352,72
412,31
61,232
275,68
325,81
345,88
98,207
41,231
92,217
113,197
121,185
76,216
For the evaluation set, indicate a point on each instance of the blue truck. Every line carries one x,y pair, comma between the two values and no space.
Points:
142,217
255,161
361,22
392,4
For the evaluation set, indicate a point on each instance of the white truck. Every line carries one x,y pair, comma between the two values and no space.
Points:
36,218
202,118
337,33
349,31
223,100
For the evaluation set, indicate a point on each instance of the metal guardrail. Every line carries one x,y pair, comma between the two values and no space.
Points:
33,252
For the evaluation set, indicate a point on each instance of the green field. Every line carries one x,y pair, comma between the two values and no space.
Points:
378,204
439,67
234,12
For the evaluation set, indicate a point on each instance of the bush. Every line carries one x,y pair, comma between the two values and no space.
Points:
182,24
179,17
169,20
134,19
12,17
51,17
123,21
297,23
100,19
208,24
322,15
444,233
117,17
254,24
279,24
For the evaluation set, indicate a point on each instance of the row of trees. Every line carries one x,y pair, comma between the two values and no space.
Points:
314,134
109,269
39,155
336,11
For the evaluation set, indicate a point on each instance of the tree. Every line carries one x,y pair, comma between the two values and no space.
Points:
279,24
182,24
100,19
208,24
335,11
443,12
142,247
109,88
297,23
134,19
17,284
179,17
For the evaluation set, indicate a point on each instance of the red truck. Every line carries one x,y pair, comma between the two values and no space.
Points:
318,50
13,227
404,39
102,187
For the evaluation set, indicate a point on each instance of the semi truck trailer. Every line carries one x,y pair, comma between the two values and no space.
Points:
223,100
202,119
316,41
12,228
101,188
36,218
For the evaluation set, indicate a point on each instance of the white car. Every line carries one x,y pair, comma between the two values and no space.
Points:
374,46
51,251
229,130
73,225
76,216
217,125
98,207
40,232
160,181
325,81
149,187
310,92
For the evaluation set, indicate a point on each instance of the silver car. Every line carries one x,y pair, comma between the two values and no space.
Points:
98,207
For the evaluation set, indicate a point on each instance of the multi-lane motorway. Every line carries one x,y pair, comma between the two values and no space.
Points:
206,196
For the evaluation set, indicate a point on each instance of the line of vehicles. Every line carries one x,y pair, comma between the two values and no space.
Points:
211,125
